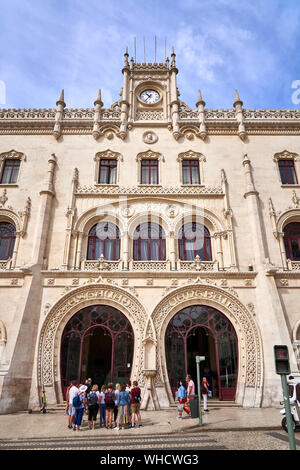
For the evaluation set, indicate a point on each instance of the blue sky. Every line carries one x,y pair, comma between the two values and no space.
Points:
220,45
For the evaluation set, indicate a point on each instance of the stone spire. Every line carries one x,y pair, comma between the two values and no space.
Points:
59,115
124,102
174,102
98,107
200,105
239,115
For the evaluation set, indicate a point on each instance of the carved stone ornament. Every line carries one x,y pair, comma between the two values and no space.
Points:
71,303
149,137
251,359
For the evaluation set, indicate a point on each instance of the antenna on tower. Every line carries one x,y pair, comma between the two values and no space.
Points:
155,49
144,50
165,48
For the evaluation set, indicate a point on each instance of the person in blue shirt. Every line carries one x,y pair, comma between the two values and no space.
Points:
123,406
181,395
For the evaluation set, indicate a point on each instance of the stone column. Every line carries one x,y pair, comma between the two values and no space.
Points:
174,97
125,251
282,250
79,248
124,103
98,109
200,105
16,248
172,251
270,316
59,116
239,116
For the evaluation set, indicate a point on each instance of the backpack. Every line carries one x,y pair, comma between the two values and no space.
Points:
77,402
92,398
137,398
109,398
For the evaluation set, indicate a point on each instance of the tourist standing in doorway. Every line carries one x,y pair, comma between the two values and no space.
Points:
102,406
135,404
93,400
110,405
204,392
73,391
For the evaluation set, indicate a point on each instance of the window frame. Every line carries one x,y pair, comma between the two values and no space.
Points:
93,238
151,163
110,163
161,243
287,240
182,243
12,241
190,164
9,156
283,166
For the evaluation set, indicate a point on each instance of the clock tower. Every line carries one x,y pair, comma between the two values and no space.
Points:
149,93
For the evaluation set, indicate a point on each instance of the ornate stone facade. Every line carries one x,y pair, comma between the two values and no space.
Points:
245,273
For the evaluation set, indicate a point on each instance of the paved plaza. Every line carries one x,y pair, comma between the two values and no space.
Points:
223,428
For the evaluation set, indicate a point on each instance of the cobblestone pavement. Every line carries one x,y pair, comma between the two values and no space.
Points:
229,440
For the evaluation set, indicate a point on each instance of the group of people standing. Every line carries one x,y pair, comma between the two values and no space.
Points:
119,405
184,395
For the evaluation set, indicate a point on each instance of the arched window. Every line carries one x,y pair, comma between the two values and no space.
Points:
292,241
104,238
149,243
193,240
7,240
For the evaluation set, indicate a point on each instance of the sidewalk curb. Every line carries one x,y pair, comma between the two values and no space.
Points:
234,429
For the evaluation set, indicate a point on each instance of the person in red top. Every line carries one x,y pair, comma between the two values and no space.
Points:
135,404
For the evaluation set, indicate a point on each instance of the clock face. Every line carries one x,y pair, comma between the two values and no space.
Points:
149,96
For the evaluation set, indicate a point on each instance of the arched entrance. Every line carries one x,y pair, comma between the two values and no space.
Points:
201,330
97,342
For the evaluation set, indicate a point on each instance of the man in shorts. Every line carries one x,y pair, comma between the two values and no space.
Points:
135,404
73,391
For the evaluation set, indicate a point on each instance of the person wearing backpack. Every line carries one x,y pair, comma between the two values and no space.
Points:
79,403
110,405
135,404
93,401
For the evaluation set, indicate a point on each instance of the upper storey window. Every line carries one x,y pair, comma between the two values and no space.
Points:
108,171
7,240
10,171
149,171
104,239
292,241
149,243
190,172
193,240
287,172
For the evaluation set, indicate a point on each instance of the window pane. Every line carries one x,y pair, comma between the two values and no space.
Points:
103,174
287,172
113,175
186,175
195,175
10,172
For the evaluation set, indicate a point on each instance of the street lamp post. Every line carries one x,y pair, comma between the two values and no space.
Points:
198,360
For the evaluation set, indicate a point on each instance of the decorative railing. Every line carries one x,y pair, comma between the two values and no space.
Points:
197,265
80,113
149,115
150,189
101,265
149,265
219,114
293,265
5,264
271,113
27,114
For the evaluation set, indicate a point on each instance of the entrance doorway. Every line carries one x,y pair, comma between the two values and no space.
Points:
203,331
97,342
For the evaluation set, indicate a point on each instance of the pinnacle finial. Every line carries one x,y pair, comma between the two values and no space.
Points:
98,99
199,96
61,99
237,99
